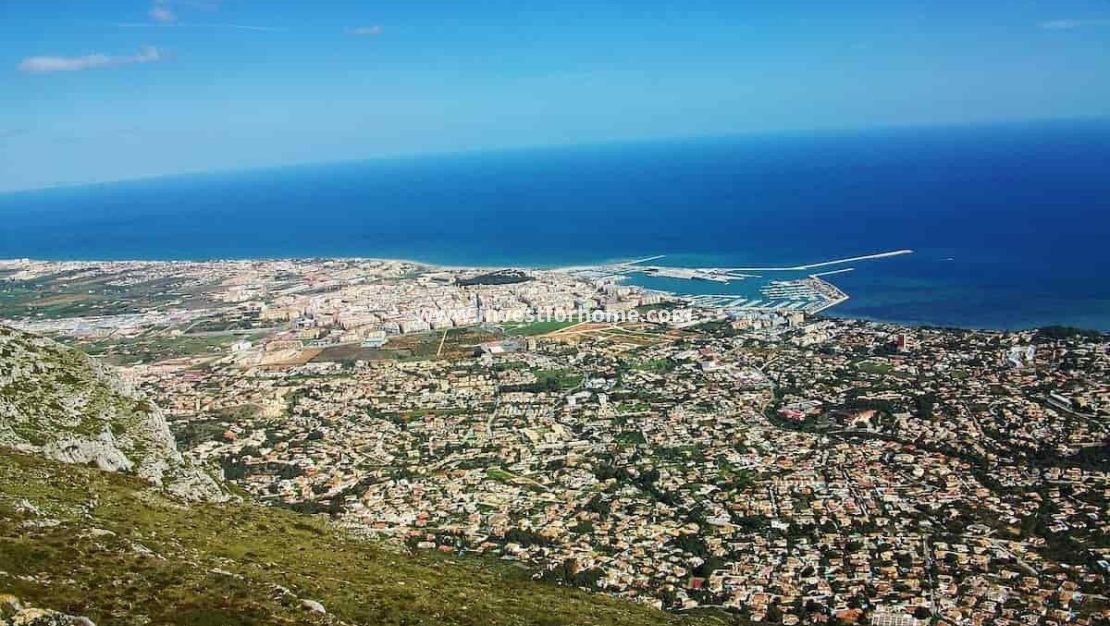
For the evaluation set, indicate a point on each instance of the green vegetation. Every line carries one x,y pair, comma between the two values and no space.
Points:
195,432
633,406
1067,332
67,295
874,367
735,479
496,473
499,277
158,346
631,437
715,328
558,379
24,300
655,366
549,381
121,554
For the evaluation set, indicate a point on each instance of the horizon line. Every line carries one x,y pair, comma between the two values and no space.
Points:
505,149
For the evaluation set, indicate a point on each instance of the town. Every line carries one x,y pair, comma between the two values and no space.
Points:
784,467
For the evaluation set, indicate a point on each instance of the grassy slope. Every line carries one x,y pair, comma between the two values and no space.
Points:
220,564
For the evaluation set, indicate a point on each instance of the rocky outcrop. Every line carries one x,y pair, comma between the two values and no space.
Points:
13,613
59,403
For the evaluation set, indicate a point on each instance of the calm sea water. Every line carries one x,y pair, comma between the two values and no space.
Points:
1010,224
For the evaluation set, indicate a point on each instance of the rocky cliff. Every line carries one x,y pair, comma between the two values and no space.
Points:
61,404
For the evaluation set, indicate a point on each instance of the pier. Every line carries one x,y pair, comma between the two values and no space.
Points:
802,268
847,269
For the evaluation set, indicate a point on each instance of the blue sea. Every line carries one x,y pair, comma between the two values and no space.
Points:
1010,224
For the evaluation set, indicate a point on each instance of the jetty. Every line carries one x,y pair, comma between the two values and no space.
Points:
810,294
803,268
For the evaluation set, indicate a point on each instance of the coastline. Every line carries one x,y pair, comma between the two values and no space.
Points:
1008,227
831,312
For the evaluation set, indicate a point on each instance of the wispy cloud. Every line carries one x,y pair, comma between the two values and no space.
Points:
162,12
365,31
46,64
1073,24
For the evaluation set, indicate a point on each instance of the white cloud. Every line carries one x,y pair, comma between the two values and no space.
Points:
162,13
45,64
365,31
1072,24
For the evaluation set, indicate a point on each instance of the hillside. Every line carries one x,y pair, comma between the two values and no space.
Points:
152,559
95,496
59,403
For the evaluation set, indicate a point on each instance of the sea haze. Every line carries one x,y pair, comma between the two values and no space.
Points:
1010,224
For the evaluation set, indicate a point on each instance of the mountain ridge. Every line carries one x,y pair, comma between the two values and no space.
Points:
66,406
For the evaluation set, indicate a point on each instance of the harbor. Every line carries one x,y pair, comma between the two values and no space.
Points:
744,290
810,295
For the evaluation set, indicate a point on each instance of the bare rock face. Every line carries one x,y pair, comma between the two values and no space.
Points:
101,452
57,402
44,617
13,613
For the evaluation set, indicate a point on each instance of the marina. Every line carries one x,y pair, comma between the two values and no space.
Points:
799,291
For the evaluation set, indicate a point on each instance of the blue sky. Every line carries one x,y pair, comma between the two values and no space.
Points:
116,89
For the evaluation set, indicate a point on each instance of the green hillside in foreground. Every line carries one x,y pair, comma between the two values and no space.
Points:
146,559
